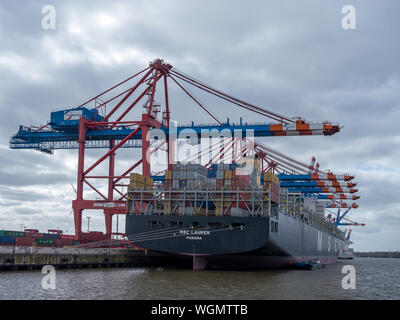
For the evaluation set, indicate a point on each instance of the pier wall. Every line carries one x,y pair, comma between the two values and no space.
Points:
29,258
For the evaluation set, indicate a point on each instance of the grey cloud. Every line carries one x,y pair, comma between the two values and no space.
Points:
32,179
7,193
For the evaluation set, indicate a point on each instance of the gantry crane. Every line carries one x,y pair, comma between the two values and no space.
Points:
104,122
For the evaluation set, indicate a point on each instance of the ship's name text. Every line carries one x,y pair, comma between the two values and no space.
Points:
194,234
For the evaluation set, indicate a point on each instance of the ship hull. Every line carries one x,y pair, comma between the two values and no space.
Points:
227,242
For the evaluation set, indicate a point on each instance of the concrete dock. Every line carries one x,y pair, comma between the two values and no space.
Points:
30,258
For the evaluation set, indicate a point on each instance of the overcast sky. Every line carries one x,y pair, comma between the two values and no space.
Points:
291,57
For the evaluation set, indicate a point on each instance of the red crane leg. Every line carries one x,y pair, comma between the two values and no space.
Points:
171,140
111,168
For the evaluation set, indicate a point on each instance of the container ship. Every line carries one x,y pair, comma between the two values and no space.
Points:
229,217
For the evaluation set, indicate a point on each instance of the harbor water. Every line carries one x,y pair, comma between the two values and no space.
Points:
376,278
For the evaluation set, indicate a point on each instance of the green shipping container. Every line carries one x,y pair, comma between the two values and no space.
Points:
1,233
44,241
76,242
13,234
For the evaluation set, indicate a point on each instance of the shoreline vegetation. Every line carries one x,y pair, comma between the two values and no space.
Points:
378,254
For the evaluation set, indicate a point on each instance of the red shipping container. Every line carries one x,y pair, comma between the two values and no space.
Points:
275,197
220,183
93,236
168,183
33,234
271,186
67,237
244,178
63,242
235,183
24,241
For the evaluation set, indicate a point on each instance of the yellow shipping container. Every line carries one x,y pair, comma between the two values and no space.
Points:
167,208
257,165
228,174
270,177
134,176
139,178
168,175
136,186
219,211
148,180
221,207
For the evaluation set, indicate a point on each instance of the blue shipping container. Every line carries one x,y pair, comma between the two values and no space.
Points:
51,236
211,174
4,239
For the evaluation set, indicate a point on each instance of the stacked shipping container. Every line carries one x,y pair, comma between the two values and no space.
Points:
140,182
32,237
225,179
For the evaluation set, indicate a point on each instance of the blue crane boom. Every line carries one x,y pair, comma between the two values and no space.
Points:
62,132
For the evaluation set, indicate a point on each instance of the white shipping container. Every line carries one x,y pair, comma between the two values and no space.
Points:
188,211
238,212
199,184
220,174
190,174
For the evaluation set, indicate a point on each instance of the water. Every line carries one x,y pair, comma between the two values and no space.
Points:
376,278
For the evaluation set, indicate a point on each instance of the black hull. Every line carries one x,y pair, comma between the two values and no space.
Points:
227,242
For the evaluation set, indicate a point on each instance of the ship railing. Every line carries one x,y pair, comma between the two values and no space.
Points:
201,202
292,204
